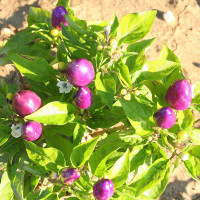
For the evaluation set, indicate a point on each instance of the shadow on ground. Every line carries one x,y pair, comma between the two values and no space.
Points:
176,189
19,16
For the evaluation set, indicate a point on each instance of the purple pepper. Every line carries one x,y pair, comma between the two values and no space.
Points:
70,175
58,17
32,130
103,189
165,117
83,98
80,72
26,102
179,95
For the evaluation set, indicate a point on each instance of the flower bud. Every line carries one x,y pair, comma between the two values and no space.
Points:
62,66
10,96
55,33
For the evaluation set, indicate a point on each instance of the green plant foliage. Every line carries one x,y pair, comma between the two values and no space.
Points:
117,137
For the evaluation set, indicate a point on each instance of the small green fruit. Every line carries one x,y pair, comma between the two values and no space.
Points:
62,66
55,33
10,96
182,135
113,43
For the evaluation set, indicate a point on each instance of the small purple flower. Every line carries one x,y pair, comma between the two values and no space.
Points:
70,175
165,118
179,95
58,17
26,102
32,130
83,98
80,72
103,189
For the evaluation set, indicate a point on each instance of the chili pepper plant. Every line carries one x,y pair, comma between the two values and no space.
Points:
91,117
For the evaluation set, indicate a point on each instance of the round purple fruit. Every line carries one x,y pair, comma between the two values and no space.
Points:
26,102
58,17
80,72
165,117
103,189
32,130
179,95
70,175
83,98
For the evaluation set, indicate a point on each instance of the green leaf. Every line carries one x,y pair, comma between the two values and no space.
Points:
82,152
158,189
97,162
103,118
114,26
6,191
194,135
167,54
190,169
153,176
3,87
157,70
50,158
124,74
62,53
61,143
196,92
120,170
139,158
5,133
185,119
36,69
135,26
38,15
57,113
30,183
63,3
78,133
18,42
16,176
106,87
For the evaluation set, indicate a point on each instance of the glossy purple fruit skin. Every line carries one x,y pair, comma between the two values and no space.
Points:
165,117
83,98
58,17
103,189
32,130
70,175
26,102
80,72
179,95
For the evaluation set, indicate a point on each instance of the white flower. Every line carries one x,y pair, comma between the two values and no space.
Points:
16,130
64,86
168,16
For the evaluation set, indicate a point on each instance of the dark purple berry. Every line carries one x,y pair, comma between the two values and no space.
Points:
32,130
103,189
83,98
179,95
26,102
165,118
58,17
70,175
80,72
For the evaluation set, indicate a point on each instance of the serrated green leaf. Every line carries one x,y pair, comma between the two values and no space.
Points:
50,158
120,170
55,113
82,152
106,87
185,119
135,26
36,69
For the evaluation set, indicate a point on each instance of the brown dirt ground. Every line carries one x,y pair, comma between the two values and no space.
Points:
182,36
